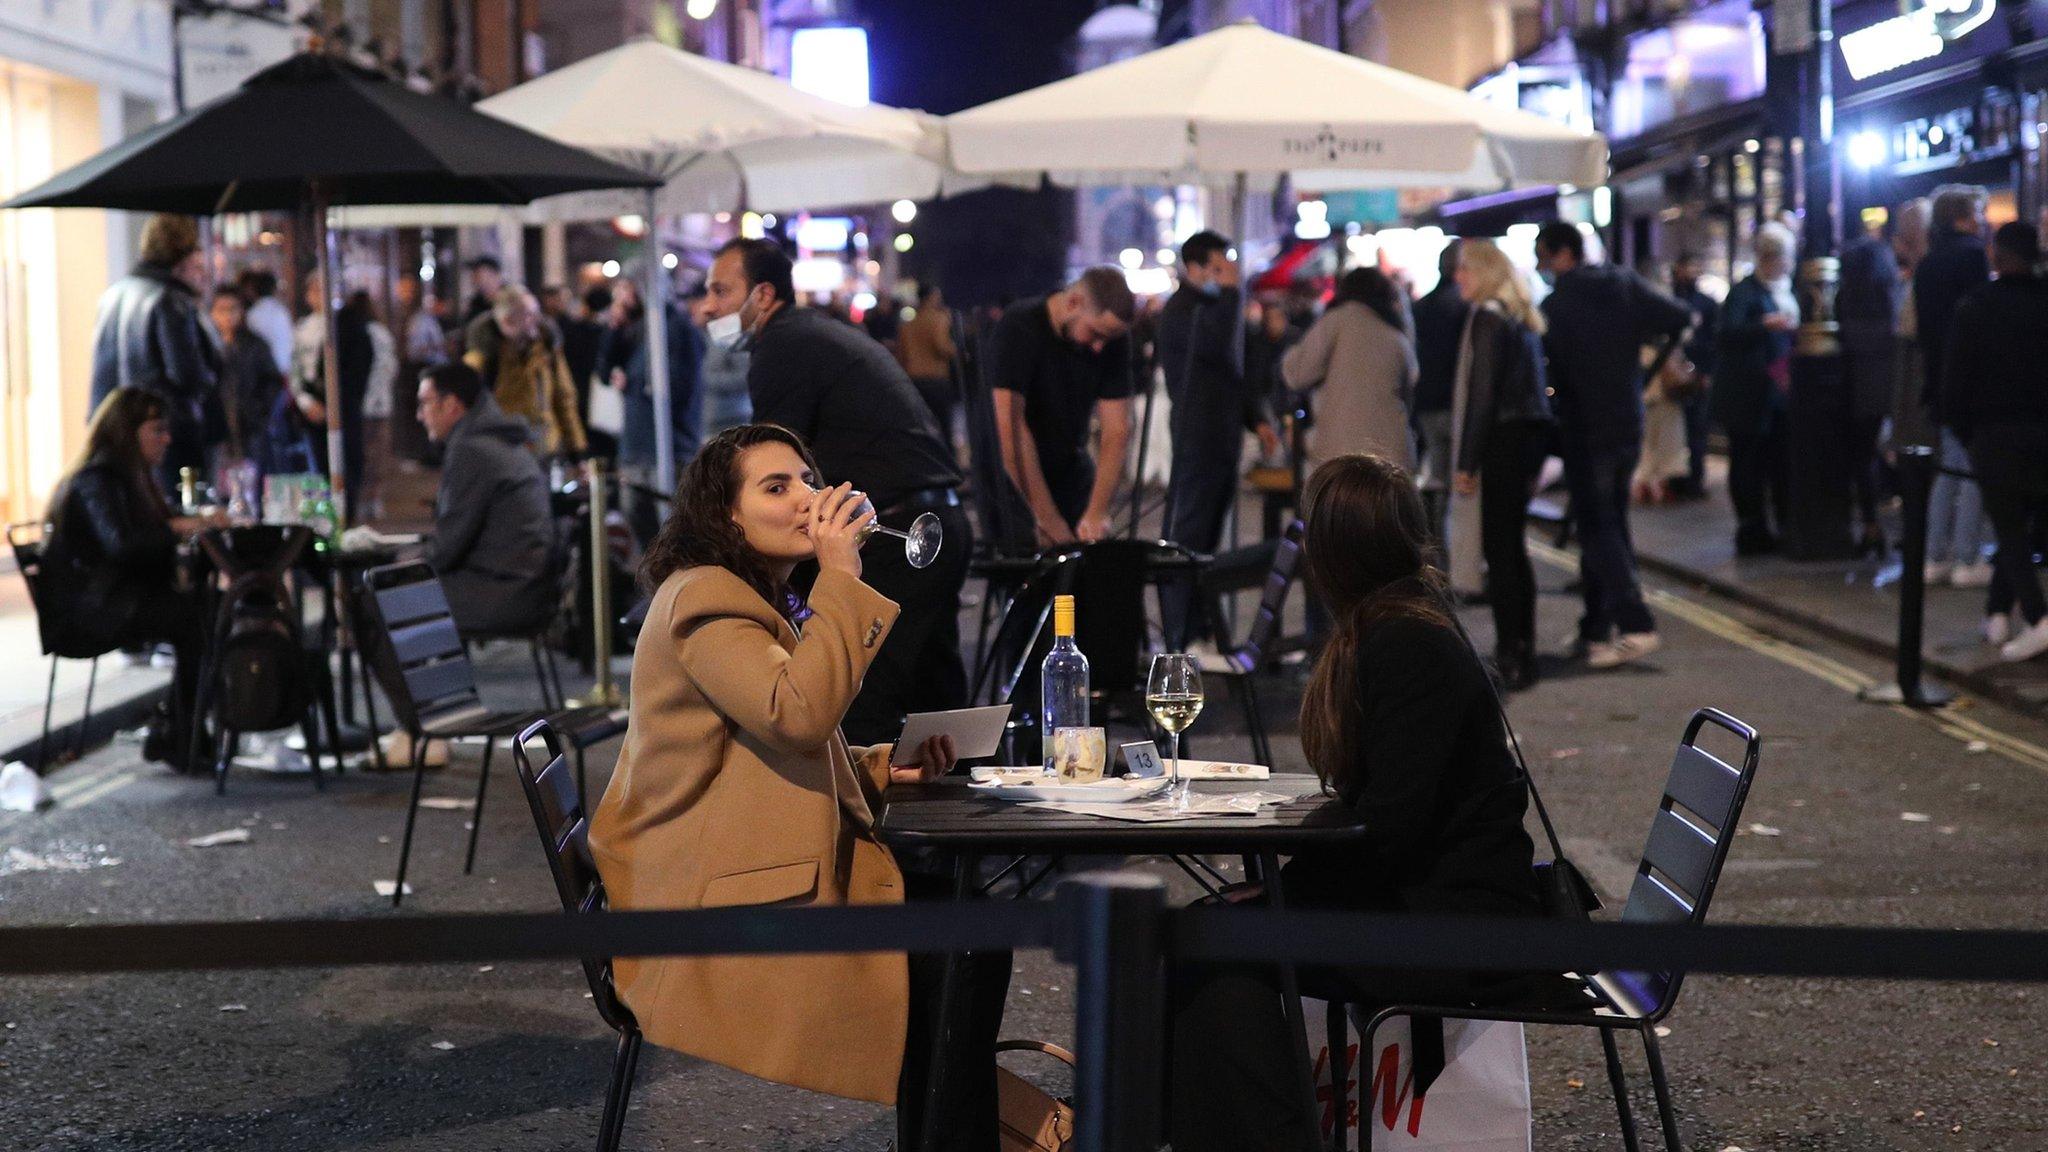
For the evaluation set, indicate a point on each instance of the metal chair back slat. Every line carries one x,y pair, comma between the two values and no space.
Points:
1652,901
1682,852
442,682
434,638
1265,627
1705,786
416,599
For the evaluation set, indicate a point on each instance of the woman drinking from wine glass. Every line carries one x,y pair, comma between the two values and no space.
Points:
736,788
1401,724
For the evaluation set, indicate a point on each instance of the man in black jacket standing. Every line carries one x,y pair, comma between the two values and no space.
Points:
1600,317
1439,331
1201,353
1994,398
850,400
148,334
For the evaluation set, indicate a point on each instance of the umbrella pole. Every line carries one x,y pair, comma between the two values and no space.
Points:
657,356
330,282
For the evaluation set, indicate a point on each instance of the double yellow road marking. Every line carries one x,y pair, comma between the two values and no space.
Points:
1950,722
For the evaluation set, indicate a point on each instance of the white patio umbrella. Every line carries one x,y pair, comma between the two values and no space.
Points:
1252,105
1249,105
720,137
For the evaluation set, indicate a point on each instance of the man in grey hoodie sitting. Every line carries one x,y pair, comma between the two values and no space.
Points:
493,543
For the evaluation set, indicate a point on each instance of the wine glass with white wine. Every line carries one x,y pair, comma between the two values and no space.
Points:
1173,694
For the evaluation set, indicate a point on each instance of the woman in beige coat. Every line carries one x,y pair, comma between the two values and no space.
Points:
735,786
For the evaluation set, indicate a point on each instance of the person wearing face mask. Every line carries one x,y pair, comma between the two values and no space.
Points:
849,399
1201,353
1057,363
738,787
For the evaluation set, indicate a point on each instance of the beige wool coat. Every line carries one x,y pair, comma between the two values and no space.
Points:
735,787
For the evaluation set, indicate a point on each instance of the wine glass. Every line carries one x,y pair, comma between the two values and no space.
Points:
1173,694
920,544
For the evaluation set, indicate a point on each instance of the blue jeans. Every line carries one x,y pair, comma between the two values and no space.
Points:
1598,478
1955,510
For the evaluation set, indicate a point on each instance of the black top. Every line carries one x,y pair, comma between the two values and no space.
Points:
850,400
1441,797
1997,345
1201,345
1600,317
1439,325
1059,380
1954,266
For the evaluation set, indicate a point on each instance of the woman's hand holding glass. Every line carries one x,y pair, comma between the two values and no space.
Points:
838,517
936,757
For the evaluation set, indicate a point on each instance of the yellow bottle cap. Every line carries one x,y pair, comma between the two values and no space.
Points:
1063,616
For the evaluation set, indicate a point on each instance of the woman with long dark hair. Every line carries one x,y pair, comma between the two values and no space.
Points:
735,787
110,557
1358,364
1401,724
1500,432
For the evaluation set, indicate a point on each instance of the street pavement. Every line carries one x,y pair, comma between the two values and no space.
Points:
1861,814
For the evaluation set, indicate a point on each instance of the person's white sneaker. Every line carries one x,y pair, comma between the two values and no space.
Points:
1976,575
1997,629
1627,647
1936,571
2031,642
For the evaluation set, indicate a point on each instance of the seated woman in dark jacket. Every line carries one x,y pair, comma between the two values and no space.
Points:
109,559
1400,723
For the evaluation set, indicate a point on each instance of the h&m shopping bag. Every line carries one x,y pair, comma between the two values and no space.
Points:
1480,1102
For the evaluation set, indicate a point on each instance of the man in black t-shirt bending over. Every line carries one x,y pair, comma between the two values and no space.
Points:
1058,361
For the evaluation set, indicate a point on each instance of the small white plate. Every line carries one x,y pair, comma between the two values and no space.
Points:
1118,791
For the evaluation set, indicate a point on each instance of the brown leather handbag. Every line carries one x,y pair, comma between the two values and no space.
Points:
1031,1119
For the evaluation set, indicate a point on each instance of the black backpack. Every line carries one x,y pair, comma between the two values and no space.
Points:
262,667
260,678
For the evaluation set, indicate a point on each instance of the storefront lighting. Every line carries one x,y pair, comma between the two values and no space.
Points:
1867,149
701,9
1230,255
872,267
1752,147
630,226
723,217
860,239
1567,189
768,220
1603,206
750,226
864,301
1164,256
1131,258
669,261
1918,35
903,211
905,241
1312,220
610,269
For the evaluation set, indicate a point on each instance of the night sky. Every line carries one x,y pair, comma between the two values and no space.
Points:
946,55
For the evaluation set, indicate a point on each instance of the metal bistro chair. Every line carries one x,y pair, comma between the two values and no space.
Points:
1675,880
26,539
431,684
559,814
1241,665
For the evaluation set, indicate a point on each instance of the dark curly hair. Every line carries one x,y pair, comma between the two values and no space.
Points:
700,528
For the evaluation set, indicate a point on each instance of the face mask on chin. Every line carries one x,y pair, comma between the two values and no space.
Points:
726,331
1210,288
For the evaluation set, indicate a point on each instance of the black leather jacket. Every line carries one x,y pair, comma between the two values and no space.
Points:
108,544
1506,381
148,334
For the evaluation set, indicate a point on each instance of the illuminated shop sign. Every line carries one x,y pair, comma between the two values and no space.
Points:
1918,35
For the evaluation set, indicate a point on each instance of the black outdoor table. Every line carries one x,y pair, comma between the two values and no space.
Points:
945,817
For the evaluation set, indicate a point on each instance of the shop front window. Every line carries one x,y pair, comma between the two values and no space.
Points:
1709,60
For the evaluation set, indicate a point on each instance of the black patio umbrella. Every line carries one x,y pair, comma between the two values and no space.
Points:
316,130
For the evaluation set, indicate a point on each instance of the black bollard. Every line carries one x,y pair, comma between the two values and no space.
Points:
1916,475
1115,922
